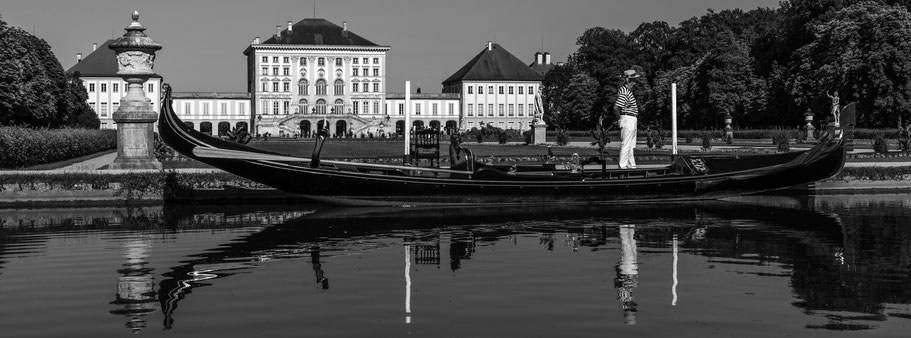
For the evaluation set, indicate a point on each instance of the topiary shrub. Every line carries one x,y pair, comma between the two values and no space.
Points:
782,139
880,144
562,137
706,141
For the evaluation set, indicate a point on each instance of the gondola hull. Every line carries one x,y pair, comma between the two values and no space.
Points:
688,178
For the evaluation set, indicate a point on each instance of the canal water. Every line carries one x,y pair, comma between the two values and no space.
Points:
758,266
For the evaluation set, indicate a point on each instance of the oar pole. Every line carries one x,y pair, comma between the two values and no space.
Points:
407,128
674,119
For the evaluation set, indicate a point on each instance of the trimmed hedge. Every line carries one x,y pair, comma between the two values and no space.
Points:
22,147
752,134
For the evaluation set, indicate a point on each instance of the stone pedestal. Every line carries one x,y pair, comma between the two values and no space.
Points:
135,53
809,130
539,133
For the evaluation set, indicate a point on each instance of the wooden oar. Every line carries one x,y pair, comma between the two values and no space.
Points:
249,155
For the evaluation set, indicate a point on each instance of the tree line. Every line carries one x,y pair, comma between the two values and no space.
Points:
34,90
765,67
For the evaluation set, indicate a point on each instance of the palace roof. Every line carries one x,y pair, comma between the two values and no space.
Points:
102,62
495,64
318,32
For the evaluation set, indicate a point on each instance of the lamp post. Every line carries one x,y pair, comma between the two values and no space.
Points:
135,53
810,130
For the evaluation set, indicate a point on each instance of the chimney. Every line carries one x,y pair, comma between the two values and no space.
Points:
344,26
78,57
547,58
539,58
289,26
256,40
489,45
278,32
94,46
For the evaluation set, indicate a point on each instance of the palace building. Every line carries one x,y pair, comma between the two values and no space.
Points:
315,72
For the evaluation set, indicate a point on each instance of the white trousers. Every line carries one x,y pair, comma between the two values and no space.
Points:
628,141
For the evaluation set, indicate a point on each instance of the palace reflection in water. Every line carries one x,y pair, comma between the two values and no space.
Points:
796,266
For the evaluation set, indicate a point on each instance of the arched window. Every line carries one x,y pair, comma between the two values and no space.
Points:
303,87
339,106
321,107
321,87
339,87
304,106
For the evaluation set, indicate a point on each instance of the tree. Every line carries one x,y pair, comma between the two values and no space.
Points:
552,93
579,101
862,53
79,114
32,82
724,84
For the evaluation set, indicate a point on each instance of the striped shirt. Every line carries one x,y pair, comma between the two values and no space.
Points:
626,101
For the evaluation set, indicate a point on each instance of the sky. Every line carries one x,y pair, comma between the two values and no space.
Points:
203,40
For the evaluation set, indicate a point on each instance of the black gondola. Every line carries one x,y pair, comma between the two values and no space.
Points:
689,177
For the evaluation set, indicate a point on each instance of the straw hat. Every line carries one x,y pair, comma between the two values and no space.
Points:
630,74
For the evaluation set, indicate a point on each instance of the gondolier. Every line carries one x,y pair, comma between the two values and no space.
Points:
627,112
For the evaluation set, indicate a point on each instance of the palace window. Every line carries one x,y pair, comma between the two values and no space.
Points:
286,107
354,72
376,72
366,61
303,87
265,71
275,86
354,61
285,60
339,106
376,107
91,87
489,89
338,62
376,87
531,109
339,87
376,61
303,62
321,107
512,109
304,106
104,87
501,90
521,108
104,109
321,87
490,110
265,107
357,107
286,87
470,89
480,109
321,62
152,90
417,109
470,109
531,90
366,107
480,89
401,109
265,59
502,109
286,71
511,90
274,107
354,87
274,59
265,86
224,108
521,91
434,110
366,71
241,108
205,108
451,109
115,106
115,87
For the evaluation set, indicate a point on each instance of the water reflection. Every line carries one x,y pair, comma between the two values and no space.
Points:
847,263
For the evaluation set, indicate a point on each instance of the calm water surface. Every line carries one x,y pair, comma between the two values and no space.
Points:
762,266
